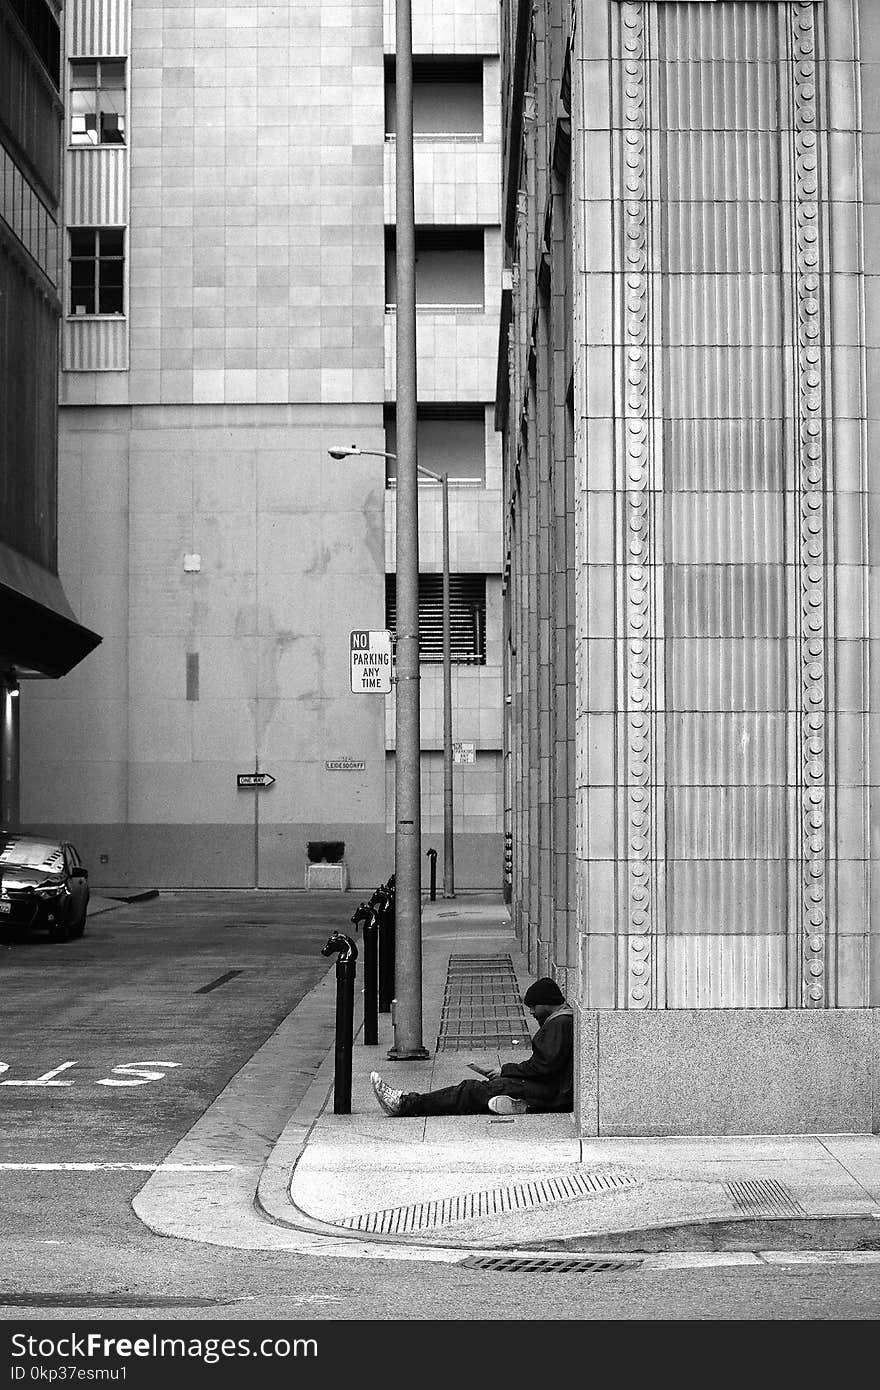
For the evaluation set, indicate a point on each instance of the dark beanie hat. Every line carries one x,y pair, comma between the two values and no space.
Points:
544,991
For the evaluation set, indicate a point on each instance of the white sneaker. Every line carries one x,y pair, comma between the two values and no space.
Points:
390,1100
507,1105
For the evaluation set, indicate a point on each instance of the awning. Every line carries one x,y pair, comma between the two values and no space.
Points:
39,635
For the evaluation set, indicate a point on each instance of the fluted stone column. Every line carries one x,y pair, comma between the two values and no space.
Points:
724,771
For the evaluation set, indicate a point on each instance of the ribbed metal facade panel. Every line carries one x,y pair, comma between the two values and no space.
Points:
734,822
736,31
721,96
712,972
724,455
98,28
726,674
95,345
721,166
735,310
728,383
723,238
725,527
738,748
96,188
737,896
727,601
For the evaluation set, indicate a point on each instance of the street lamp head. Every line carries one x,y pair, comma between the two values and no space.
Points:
342,451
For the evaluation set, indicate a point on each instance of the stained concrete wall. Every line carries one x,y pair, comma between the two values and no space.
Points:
254,190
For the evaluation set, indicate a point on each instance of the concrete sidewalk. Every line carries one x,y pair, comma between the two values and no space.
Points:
529,1182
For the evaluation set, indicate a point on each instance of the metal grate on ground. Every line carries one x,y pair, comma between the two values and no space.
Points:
482,1007
492,1201
519,1264
763,1197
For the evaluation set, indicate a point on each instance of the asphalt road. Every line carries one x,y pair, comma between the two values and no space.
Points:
200,981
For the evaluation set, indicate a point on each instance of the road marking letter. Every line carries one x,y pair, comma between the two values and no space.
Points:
44,1080
139,1070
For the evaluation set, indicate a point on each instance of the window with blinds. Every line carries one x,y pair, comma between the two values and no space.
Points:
467,616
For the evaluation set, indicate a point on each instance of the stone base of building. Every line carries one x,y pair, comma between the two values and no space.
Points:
728,1071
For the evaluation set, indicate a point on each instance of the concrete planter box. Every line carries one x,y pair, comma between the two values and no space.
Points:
327,876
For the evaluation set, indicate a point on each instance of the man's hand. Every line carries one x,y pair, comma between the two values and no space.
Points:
494,1073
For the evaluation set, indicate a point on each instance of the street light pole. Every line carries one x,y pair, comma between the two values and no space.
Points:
340,451
407,1018
448,860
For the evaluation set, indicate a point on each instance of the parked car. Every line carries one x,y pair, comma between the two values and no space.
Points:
43,884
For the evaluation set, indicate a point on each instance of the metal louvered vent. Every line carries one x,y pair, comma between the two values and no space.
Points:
519,1264
467,616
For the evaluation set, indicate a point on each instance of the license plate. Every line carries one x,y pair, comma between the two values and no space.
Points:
5,907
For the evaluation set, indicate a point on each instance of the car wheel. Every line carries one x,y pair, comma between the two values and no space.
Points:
77,929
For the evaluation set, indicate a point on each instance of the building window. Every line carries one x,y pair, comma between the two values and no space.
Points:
97,101
447,98
449,268
451,439
467,616
97,262
41,26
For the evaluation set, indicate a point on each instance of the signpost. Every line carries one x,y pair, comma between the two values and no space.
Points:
371,663
254,779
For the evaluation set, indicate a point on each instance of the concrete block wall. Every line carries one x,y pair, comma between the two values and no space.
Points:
457,183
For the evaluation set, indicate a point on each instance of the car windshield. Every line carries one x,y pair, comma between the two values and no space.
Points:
30,854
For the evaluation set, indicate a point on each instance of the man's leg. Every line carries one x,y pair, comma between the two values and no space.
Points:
467,1098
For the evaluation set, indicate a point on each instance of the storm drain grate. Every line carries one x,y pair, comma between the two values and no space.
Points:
481,1005
493,1201
517,1264
762,1197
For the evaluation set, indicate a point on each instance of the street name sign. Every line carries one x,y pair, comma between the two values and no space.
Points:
371,663
254,779
345,764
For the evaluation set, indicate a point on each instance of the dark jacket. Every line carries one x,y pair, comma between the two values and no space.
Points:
546,1079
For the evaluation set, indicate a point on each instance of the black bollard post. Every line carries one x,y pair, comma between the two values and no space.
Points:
387,924
432,855
345,972
365,915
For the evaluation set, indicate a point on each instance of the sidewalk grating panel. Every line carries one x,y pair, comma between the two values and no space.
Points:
763,1197
481,1005
519,1264
491,1201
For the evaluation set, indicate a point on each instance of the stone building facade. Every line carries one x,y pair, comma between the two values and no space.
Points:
228,317
688,392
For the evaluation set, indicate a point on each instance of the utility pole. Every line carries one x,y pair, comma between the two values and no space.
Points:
448,851
407,1016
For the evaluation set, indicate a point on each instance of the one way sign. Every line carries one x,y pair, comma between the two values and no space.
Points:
255,779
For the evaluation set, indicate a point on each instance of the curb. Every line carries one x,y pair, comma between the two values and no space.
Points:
814,1234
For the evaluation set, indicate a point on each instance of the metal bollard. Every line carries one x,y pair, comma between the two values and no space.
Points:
366,916
345,973
432,855
387,925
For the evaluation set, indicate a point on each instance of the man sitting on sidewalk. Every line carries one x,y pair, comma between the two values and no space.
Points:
543,1082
